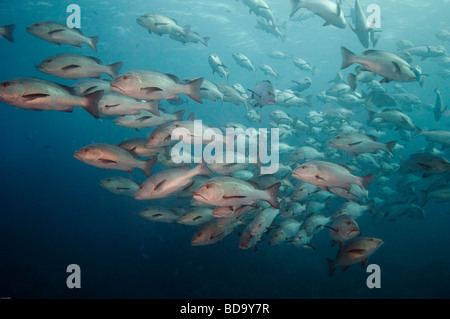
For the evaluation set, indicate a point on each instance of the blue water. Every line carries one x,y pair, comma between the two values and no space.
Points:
54,213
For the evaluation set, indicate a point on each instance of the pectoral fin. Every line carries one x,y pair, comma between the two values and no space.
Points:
31,97
149,90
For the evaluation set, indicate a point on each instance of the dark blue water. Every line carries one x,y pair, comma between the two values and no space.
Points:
54,213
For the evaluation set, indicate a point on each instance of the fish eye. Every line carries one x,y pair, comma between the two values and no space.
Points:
371,239
48,61
141,187
5,84
85,150
108,179
124,77
206,186
303,167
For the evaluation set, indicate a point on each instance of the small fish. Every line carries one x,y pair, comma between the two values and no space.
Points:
58,33
120,185
160,214
211,232
268,70
196,216
160,24
217,66
330,11
263,93
357,143
243,61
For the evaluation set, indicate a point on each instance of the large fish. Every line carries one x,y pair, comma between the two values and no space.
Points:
327,174
38,95
357,250
330,11
61,34
263,93
357,143
230,191
153,85
388,65
109,156
74,66
167,182
7,32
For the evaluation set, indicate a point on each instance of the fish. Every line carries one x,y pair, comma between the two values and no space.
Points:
108,156
357,143
154,85
120,185
161,24
301,85
436,136
217,66
261,9
88,86
386,64
356,250
303,65
160,214
393,211
74,66
148,119
39,95
230,94
167,182
426,163
438,106
342,229
271,28
394,117
115,104
427,51
210,232
208,90
194,37
196,216
243,61
362,29
59,33
278,55
7,32
230,191
328,10
354,210
268,70
326,174
443,35
247,240
263,220
439,193
263,93
287,229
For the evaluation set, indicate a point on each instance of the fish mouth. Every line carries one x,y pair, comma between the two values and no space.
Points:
115,86
198,195
41,68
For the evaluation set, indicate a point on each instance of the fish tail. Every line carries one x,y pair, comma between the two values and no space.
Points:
9,32
309,100
113,69
352,81
202,169
179,115
91,103
331,266
366,180
193,89
148,165
153,107
348,58
206,40
390,146
93,43
272,193
296,5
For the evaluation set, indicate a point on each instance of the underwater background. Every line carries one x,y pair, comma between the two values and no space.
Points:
54,212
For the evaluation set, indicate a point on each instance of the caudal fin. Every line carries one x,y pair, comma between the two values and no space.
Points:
205,41
153,107
296,5
194,89
352,81
390,146
186,32
366,180
91,103
347,58
309,100
272,193
113,69
148,165
179,115
93,43
8,34
331,266
202,169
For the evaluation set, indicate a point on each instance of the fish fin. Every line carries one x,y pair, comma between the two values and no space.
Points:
179,115
331,228
160,184
112,105
390,146
326,23
114,69
254,93
202,169
191,117
366,180
186,33
324,188
357,251
364,262
149,90
231,197
386,80
309,246
352,81
9,29
344,268
93,43
148,165
272,193
107,161
347,58
31,97
70,67
91,103
173,77
331,266
353,144
194,89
